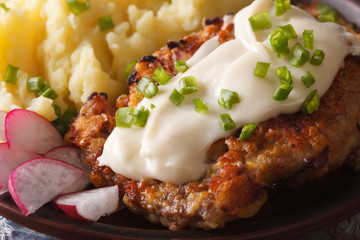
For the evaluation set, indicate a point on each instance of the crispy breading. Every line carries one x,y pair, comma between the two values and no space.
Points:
288,150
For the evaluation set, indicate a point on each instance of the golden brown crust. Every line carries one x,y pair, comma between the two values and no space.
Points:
287,150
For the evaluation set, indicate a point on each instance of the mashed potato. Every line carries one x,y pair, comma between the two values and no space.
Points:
71,52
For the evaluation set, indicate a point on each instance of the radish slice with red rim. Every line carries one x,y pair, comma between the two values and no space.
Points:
74,156
9,160
90,205
38,181
28,131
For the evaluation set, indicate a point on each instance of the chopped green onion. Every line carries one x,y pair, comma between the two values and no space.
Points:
308,79
327,13
311,103
62,122
282,92
181,66
226,121
299,55
130,68
188,85
289,31
281,6
69,114
152,106
140,116
176,97
138,95
317,58
308,36
78,7
261,69
147,87
279,41
228,98
284,75
35,84
49,93
124,117
106,23
200,105
3,6
247,131
57,110
11,74
161,76
260,21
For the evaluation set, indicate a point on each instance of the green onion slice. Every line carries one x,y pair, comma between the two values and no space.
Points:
317,58
311,103
152,106
226,121
147,87
327,13
124,117
261,69
228,98
49,93
106,23
176,97
161,76
281,6
200,105
181,66
279,42
62,122
130,68
289,31
3,6
78,7
283,92
308,36
260,21
35,84
299,55
284,75
140,116
247,131
188,85
308,79
57,110
69,114
11,74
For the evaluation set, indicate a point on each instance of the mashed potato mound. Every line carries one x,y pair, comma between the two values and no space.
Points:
76,58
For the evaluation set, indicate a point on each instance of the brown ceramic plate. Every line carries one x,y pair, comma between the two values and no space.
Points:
285,215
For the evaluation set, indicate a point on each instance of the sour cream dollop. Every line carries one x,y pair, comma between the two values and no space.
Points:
173,146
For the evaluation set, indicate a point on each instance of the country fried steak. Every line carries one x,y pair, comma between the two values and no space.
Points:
290,150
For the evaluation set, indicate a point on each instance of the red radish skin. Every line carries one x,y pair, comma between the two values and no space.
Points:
38,181
9,160
90,205
28,131
2,126
74,156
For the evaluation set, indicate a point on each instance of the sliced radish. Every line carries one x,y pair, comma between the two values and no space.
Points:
28,131
38,181
91,204
2,126
72,155
75,157
9,160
